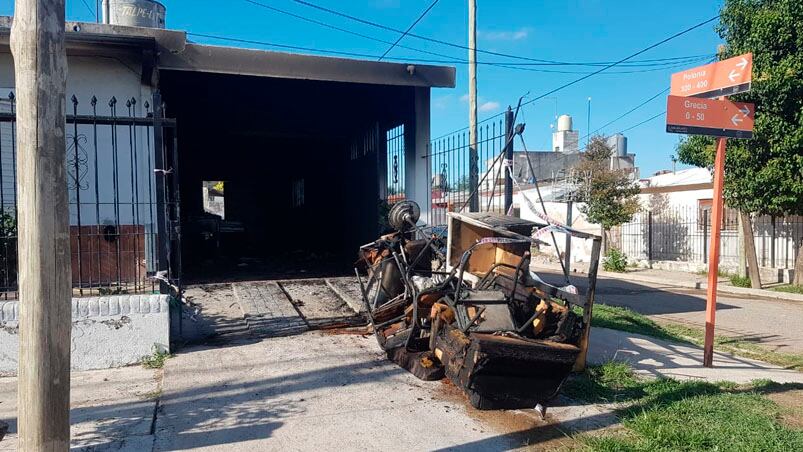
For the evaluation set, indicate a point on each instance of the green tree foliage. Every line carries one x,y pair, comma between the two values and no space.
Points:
609,194
763,175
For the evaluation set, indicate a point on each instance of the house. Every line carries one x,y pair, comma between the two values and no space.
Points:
674,229
301,142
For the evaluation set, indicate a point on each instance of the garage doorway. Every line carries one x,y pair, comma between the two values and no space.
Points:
302,168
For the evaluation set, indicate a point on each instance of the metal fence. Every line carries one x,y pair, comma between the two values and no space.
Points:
450,166
122,181
683,234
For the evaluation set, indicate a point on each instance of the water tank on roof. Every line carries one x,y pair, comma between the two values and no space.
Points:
618,143
134,13
564,123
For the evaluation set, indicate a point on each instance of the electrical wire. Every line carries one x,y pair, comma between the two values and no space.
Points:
281,46
420,60
633,71
453,60
340,29
421,16
91,10
643,122
589,75
663,91
434,40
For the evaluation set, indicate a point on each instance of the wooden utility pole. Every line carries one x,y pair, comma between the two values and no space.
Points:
473,155
40,64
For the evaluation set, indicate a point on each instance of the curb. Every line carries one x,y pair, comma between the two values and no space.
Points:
700,285
721,288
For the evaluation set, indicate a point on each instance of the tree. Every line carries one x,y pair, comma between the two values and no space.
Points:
609,195
764,175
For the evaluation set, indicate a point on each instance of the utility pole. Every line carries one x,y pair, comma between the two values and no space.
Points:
509,131
568,254
40,64
473,156
588,123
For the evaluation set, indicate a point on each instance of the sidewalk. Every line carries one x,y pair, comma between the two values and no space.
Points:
110,409
678,279
656,358
338,392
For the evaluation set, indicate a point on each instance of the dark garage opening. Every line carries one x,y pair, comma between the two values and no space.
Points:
302,165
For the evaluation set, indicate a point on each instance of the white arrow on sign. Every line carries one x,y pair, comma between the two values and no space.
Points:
736,120
734,75
745,111
742,64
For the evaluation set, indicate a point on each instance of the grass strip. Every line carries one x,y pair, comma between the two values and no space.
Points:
789,288
668,415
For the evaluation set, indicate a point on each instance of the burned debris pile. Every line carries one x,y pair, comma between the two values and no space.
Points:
465,305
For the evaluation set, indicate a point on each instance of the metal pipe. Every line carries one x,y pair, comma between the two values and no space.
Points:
106,12
473,319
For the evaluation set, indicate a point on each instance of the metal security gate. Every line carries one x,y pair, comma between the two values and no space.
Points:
122,177
450,170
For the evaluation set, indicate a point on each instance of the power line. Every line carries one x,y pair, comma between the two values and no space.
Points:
340,29
282,46
634,71
648,48
432,5
643,122
580,79
395,30
663,91
374,56
434,40
91,10
454,60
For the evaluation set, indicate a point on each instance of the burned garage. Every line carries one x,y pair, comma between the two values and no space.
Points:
301,149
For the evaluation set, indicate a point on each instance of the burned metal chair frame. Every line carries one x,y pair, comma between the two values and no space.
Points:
585,301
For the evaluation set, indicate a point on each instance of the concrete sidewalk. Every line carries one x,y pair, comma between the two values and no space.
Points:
656,358
677,279
109,409
338,392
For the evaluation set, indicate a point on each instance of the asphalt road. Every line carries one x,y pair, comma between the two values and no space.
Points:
776,324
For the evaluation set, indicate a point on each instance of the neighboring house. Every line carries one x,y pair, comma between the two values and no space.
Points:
674,230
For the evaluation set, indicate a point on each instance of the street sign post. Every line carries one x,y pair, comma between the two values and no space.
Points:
723,78
690,110
719,118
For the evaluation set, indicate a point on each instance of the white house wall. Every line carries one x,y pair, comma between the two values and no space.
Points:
104,78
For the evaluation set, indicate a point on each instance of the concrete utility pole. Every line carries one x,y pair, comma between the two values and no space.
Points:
40,65
473,156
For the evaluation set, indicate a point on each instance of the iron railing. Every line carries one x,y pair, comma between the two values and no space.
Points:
683,234
450,169
122,184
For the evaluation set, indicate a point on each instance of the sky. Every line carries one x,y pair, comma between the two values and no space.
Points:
557,30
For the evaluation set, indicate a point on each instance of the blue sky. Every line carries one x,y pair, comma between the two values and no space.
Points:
569,30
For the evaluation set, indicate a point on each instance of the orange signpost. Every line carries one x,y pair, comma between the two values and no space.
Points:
720,118
723,78
688,111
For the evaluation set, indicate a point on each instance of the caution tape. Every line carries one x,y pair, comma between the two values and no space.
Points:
551,221
500,240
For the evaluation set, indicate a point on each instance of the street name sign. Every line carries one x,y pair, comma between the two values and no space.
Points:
719,118
723,78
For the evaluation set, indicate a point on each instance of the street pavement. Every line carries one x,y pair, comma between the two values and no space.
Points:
775,324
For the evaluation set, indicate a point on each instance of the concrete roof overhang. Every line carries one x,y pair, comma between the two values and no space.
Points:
173,52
